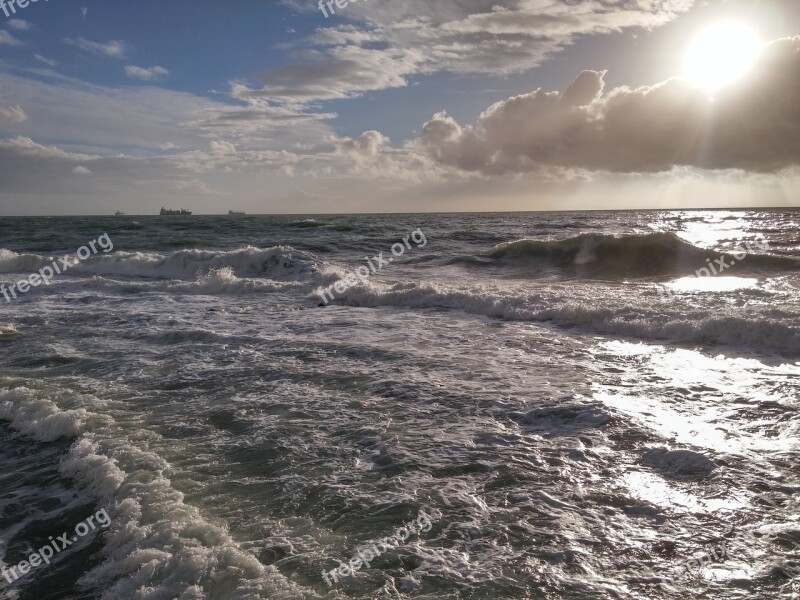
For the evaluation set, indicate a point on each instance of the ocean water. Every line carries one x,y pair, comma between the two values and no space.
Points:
574,404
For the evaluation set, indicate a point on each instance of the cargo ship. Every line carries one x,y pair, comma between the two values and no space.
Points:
165,212
232,213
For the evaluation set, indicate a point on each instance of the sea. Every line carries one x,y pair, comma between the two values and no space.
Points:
581,405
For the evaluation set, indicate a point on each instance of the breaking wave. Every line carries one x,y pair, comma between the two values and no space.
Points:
280,262
661,321
158,546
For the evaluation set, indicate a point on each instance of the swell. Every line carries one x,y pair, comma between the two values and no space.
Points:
307,224
591,255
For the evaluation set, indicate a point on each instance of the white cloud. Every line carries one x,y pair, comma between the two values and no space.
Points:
394,40
105,120
6,39
341,73
46,61
19,24
255,118
81,170
15,114
145,74
113,48
142,119
26,147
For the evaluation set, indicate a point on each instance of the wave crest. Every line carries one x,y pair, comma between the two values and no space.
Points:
279,262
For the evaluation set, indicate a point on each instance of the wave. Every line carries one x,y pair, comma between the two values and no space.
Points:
475,235
627,256
307,224
343,227
280,262
158,545
217,282
39,418
651,319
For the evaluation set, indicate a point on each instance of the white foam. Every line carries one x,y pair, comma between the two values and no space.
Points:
157,546
279,262
40,418
8,329
12,262
656,321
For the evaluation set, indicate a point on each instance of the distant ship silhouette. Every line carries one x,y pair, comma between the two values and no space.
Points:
235,212
172,213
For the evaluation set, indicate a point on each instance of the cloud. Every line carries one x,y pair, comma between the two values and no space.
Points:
255,117
145,74
46,61
6,39
105,120
754,126
27,148
113,48
394,40
239,121
19,24
141,120
81,170
344,72
15,114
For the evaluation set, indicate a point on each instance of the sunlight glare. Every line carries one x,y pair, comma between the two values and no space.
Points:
721,54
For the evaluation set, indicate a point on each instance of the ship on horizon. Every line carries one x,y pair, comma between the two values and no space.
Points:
232,213
168,212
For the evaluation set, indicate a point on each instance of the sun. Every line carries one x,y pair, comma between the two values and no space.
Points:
721,54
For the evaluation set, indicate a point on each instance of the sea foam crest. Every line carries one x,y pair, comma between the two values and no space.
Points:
40,418
279,262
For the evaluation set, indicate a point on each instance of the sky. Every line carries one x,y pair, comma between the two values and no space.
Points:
282,106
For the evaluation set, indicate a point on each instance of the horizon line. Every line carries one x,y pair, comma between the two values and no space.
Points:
464,212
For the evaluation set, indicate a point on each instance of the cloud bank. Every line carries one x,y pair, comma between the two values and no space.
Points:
753,126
